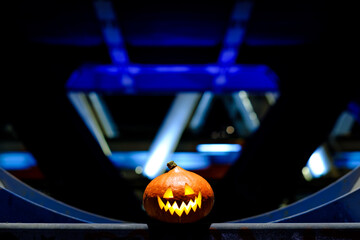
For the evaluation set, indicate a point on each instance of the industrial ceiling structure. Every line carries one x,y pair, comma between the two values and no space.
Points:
145,75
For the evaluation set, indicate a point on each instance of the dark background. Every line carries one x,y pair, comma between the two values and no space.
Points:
311,45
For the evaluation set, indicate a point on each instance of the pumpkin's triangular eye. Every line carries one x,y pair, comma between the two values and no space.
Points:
168,193
188,190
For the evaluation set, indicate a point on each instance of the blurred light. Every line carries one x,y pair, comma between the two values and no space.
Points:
134,70
191,161
126,80
118,55
16,160
343,124
155,78
212,69
349,160
137,159
318,163
104,10
220,80
234,35
172,69
354,109
233,69
245,108
112,35
104,116
230,130
218,148
271,97
170,133
307,174
228,55
85,111
110,69
134,160
201,112
138,170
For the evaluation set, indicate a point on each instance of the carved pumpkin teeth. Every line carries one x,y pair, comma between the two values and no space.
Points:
174,207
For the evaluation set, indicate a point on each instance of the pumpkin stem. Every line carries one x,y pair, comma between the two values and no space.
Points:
171,165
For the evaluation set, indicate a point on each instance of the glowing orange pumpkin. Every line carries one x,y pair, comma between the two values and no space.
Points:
178,196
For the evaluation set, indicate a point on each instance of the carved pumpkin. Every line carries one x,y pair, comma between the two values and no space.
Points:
178,196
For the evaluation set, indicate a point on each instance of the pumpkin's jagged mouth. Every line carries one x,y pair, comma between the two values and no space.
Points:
183,207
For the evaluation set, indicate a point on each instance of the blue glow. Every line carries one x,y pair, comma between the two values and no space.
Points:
220,80
17,160
169,134
273,41
175,69
354,109
118,55
112,35
233,69
130,159
111,69
104,10
134,70
184,78
133,159
349,160
228,55
201,111
218,148
126,80
318,163
187,160
234,36
139,39
213,69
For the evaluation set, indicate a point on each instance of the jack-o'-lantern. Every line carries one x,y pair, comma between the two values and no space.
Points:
178,196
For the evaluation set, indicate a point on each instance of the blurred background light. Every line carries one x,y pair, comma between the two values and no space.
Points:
318,163
218,148
17,160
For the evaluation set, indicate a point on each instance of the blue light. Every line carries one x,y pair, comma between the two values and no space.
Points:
234,36
134,159
169,134
134,70
118,55
174,69
349,160
318,163
354,109
218,148
184,78
130,159
17,160
213,69
228,55
110,69
233,69
112,35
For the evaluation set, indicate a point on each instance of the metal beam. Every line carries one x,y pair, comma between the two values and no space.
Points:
170,132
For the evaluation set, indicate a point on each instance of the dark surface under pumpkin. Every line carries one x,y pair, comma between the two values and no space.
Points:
178,196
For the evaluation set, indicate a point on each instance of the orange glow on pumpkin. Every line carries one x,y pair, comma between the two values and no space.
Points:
168,194
178,196
183,206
